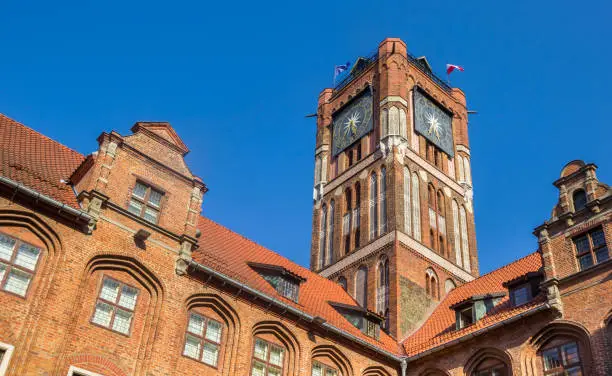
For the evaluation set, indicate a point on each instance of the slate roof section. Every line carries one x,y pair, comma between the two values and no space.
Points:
439,328
230,253
37,161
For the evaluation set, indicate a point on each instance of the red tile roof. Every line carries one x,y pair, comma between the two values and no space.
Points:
40,163
439,328
37,161
228,253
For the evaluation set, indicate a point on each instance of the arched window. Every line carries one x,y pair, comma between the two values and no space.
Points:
433,216
441,223
416,206
357,214
580,199
322,236
456,233
407,206
342,282
431,284
384,123
468,172
393,121
465,243
449,285
382,291
373,205
402,123
383,200
488,362
361,286
330,235
346,221
461,169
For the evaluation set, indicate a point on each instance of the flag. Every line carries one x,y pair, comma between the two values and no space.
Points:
341,68
451,67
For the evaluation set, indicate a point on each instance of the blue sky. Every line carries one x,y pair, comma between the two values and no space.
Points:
235,79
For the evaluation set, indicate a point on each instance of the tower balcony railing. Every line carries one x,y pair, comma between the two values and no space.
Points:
365,62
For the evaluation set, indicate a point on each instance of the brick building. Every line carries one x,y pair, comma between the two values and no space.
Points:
107,266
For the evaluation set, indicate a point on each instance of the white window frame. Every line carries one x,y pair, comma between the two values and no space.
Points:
72,371
8,352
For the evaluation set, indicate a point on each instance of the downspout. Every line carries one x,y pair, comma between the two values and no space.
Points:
292,309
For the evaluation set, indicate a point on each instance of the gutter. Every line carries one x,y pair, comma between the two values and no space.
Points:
295,311
500,324
79,215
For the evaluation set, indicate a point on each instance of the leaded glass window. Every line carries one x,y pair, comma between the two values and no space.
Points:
145,202
562,360
115,306
268,359
591,248
320,369
203,339
18,262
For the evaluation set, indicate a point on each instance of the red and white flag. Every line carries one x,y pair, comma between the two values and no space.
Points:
451,67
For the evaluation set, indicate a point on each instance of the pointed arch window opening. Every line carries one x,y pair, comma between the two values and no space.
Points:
373,206
330,236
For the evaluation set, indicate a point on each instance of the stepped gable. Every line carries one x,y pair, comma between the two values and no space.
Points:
37,161
439,328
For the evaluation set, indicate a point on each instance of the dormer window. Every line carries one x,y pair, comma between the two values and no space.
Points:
466,317
284,281
524,288
474,308
145,202
521,295
367,321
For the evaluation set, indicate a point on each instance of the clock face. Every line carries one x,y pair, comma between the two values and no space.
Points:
433,122
352,122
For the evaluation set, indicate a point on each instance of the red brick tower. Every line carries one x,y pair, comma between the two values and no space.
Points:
393,216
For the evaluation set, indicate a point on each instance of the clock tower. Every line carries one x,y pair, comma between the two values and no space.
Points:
393,215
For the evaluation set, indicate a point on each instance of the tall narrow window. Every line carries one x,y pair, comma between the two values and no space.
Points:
591,248
361,286
330,236
268,359
18,262
203,339
383,200
461,169
357,214
456,233
407,206
346,221
433,217
416,206
468,172
465,243
373,206
580,199
358,150
349,158
441,223
115,306
145,202
342,282
322,236
382,293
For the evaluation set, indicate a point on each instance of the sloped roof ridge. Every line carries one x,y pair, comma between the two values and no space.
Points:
40,134
227,229
466,285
